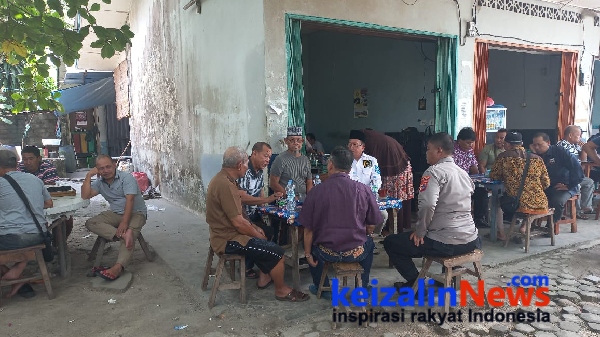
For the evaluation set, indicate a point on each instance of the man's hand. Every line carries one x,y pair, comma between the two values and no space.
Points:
92,172
580,143
531,148
310,259
123,226
275,196
417,240
561,187
260,231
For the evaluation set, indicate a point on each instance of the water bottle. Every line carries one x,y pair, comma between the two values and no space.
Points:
317,180
374,189
291,196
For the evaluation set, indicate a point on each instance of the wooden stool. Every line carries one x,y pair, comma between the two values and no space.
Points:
98,250
24,255
341,270
241,284
528,219
449,263
570,215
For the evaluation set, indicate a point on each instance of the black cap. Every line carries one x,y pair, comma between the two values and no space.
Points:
357,134
513,137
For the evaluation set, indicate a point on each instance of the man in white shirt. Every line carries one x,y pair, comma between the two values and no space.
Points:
365,169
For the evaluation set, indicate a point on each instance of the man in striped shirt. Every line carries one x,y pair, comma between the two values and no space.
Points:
32,162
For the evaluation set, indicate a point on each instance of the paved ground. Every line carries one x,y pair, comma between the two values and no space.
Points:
170,288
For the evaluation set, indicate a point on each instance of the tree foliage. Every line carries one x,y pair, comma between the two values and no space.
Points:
37,33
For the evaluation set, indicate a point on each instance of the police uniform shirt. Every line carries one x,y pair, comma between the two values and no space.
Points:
445,204
366,170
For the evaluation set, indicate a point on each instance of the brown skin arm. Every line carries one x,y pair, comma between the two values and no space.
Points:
370,229
48,203
247,199
274,184
86,188
244,226
473,170
309,185
590,149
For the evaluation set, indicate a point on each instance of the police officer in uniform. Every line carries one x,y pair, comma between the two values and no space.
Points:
365,168
445,226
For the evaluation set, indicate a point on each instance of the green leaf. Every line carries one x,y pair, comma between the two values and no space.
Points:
54,5
95,7
56,94
15,96
106,1
96,44
107,51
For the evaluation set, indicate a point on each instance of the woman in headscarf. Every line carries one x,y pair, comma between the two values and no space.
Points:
396,172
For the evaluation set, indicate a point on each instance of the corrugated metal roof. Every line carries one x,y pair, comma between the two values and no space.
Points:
85,77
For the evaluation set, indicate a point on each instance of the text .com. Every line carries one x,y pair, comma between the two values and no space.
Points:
521,291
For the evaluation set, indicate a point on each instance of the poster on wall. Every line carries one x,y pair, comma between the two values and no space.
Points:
361,103
495,119
81,118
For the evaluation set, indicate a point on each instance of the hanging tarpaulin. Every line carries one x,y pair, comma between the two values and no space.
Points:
294,76
88,96
445,96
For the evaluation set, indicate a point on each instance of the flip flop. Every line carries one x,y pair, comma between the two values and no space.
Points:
26,291
95,271
251,274
107,275
582,216
293,296
265,286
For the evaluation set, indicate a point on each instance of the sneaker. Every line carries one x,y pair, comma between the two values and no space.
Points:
326,295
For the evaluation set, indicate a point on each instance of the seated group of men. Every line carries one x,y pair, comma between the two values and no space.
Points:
338,216
18,228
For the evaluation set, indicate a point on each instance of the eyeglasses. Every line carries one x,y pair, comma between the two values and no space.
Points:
296,140
354,145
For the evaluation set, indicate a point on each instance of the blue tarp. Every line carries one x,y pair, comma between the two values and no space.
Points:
88,96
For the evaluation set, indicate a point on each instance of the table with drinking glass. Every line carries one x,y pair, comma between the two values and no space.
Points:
290,217
63,208
497,187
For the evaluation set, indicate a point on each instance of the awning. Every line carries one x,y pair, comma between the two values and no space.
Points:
88,96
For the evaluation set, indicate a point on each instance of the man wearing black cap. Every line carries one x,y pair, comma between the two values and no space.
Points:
18,229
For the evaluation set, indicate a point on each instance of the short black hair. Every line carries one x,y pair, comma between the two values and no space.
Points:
341,158
466,134
31,149
311,136
259,146
544,136
443,140
502,130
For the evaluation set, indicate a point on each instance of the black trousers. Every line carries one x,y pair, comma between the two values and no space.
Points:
257,220
401,250
557,200
480,203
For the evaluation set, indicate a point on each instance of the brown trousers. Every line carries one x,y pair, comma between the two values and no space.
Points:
105,225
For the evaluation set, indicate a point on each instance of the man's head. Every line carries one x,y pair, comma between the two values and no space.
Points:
261,155
310,137
235,161
356,143
499,139
440,145
466,138
512,140
541,143
8,161
340,160
31,158
294,139
107,168
573,134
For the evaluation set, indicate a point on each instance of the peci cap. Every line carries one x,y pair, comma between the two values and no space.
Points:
513,137
8,158
294,131
357,134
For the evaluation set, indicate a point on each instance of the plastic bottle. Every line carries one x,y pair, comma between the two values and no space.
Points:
291,196
374,189
317,180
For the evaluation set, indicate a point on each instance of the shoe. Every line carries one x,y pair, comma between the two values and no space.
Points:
26,291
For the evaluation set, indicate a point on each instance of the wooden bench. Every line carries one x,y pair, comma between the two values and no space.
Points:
98,249
32,253
570,216
342,270
454,269
231,258
528,219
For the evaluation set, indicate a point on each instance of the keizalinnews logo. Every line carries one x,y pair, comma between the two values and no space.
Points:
521,291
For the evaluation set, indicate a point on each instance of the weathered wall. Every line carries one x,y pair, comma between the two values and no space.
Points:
43,126
438,16
196,87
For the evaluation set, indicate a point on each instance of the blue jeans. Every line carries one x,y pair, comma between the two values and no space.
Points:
18,241
365,260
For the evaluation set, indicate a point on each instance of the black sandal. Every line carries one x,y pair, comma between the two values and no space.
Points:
251,274
26,291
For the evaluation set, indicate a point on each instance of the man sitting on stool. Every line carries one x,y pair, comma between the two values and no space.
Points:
445,226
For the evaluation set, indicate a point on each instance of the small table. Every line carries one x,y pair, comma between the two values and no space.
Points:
63,208
290,217
587,167
497,187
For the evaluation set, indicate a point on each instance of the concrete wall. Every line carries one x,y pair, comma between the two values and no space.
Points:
335,64
434,16
43,126
197,87
533,80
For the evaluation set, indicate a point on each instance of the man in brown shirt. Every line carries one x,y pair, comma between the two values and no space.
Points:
232,233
